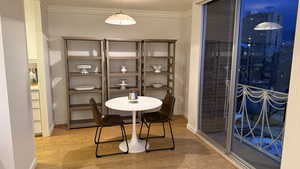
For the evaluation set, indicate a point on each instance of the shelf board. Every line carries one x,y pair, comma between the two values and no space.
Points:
128,89
123,57
78,74
124,74
160,57
81,38
123,40
73,91
81,107
154,88
161,73
82,123
159,40
84,57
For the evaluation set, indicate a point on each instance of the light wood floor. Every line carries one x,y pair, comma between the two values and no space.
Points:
74,149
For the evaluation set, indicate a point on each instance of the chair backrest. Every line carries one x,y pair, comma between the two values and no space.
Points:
167,107
96,113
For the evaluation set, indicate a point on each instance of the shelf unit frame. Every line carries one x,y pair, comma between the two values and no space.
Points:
137,74
100,60
169,73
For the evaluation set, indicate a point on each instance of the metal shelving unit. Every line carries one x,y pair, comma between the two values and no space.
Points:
75,103
137,55
127,53
115,62
165,57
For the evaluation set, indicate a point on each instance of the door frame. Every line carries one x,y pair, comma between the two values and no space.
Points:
232,85
233,79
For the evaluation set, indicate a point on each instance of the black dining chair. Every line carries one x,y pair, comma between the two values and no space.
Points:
164,115
107,121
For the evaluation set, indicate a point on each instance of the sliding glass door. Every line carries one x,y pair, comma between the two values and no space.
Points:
246,64
216,67
265,50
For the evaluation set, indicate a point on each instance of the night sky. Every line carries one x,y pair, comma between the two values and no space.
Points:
287,8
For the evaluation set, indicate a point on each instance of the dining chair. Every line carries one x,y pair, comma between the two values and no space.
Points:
164,115
107,121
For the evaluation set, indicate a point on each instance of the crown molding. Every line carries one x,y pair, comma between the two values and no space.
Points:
109,11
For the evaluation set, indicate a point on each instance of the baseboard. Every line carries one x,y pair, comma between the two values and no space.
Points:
33,164
51,129
60,122
192,129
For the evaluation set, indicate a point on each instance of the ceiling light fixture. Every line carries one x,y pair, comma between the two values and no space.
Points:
120,19
267,26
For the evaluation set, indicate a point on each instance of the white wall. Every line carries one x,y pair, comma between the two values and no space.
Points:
17,143
69,21
36,29
186,41
194,68
291,147
6,144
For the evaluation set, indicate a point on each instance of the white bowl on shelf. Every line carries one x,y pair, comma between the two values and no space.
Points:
80,88
84,68
157,85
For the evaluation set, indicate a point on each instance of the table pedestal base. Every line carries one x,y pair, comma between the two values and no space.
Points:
135,146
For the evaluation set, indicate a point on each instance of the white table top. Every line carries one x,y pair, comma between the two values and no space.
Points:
144,103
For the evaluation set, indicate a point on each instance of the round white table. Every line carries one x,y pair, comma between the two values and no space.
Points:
143,103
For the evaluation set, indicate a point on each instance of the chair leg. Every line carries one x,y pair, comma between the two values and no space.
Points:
141,129
96,134
126,141
159,149
147,137
98,142
163,136
164,130
171,131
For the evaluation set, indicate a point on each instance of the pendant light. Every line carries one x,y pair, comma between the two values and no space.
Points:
267,26
120,19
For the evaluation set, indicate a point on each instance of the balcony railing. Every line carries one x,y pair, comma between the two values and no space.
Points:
259,120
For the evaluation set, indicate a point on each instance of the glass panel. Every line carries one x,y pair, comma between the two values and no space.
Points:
219,19
266,44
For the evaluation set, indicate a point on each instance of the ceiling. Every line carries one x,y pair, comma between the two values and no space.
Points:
161,5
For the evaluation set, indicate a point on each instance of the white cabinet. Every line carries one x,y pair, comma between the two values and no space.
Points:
36,112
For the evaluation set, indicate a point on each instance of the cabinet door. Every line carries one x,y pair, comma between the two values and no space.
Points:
35,95
36,113
37,127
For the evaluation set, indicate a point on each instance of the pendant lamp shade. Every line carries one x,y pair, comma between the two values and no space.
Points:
120,19
267,26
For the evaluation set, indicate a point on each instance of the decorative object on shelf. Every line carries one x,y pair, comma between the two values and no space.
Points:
80,88
123,84
123,69
120,19
84,68
157,85
33,76
95,53
157,68
133,97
